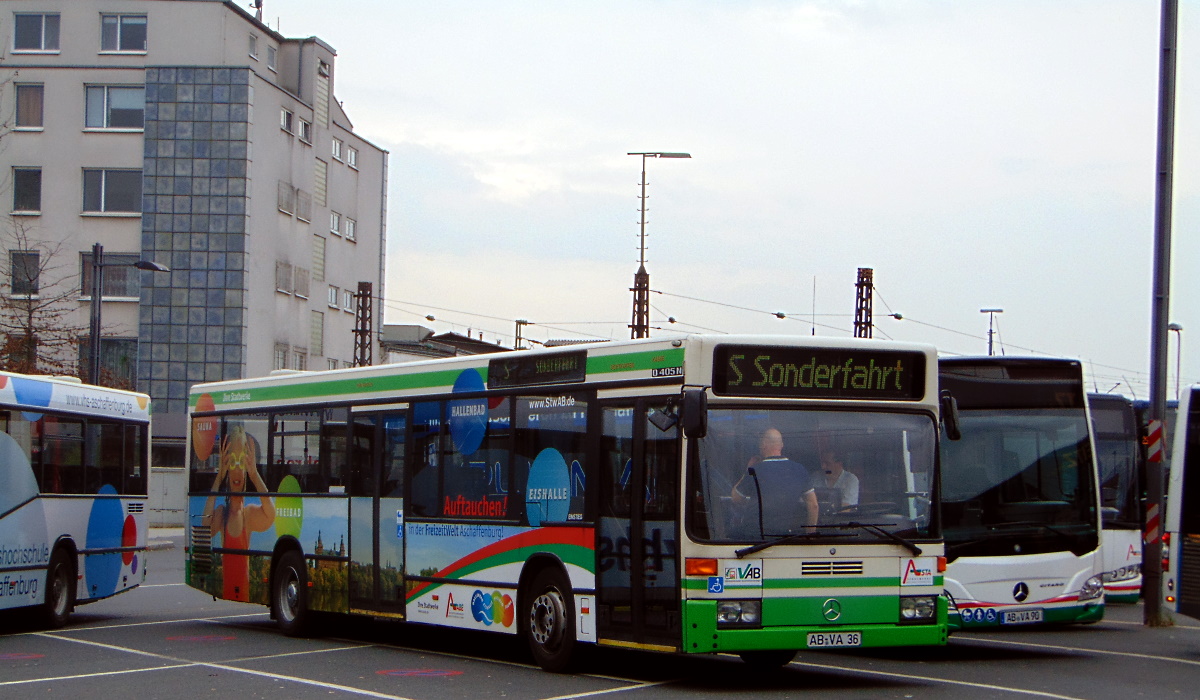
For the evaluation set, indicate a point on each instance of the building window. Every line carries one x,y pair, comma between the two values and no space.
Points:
35,32
112,191
281,354
301,276
317,334
120,278
337,149
335,223
27,190
254,46
287,120
283,277
24,270
333,364
351,229
333,296
301,360
303,205
29,106
306,131
318,262
352,157
271,51
122,32
286,197
115,107
347,300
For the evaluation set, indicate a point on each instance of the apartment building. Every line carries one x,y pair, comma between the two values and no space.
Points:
190,134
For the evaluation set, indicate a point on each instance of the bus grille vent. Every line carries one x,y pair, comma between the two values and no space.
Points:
135,507
1189,579
201,549
831,568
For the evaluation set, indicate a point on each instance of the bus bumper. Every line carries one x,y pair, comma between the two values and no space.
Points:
701,635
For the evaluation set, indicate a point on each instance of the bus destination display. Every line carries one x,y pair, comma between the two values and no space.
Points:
818,373
537,370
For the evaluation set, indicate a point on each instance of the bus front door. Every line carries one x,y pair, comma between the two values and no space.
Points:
377,513
637,555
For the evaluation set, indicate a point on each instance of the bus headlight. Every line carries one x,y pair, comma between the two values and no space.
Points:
918,608
1092,588
739,613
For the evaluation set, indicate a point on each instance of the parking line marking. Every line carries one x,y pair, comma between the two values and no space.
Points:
1057,647
931,679
160,585
594,693
223,667
96,675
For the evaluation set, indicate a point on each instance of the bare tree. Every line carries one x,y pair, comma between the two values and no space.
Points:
38,296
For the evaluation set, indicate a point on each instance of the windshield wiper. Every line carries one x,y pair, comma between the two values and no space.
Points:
1030,523
788,539
887,535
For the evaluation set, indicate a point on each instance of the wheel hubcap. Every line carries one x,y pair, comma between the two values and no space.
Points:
290,598
546,619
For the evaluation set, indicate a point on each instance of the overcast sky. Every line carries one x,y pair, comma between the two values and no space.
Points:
994,154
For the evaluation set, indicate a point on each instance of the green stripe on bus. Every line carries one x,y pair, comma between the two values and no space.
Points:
634,361
377,383
582,557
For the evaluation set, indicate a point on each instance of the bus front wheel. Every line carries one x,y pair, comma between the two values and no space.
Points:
289,594
550,621
60,589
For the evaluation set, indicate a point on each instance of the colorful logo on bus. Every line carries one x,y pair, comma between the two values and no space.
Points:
289,510
493,608
548,494
204,430
468,417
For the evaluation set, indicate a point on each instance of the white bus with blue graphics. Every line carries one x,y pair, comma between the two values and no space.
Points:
1020,504
704,494
74,462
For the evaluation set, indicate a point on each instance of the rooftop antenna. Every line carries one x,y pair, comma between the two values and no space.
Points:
257,5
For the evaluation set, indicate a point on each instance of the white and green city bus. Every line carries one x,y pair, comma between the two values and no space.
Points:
608,493
1181,527
74,461
1020,504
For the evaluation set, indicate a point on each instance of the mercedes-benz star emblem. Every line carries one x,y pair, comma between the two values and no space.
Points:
832,609
1020,592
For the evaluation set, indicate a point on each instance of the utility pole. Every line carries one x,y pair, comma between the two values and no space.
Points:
363,325
641,279
864,294
1153,614
991,327
519,340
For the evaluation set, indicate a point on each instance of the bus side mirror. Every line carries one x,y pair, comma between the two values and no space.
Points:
695,412
950,415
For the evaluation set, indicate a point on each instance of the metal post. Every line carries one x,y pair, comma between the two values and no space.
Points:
94,336
1153,614
991,326
864,292
363,325
640,327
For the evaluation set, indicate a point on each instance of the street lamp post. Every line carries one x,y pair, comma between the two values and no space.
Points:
991,326
641,279
98,266
1178,352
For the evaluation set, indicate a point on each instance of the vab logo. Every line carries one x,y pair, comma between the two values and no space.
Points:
831,609
1020,592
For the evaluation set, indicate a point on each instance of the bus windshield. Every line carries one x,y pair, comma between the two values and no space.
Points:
1118,452
1018,478
760,475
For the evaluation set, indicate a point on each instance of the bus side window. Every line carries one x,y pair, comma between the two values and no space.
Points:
392,474
427,458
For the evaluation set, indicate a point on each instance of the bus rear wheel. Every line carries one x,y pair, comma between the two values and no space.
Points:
289,594
550,621
60,590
